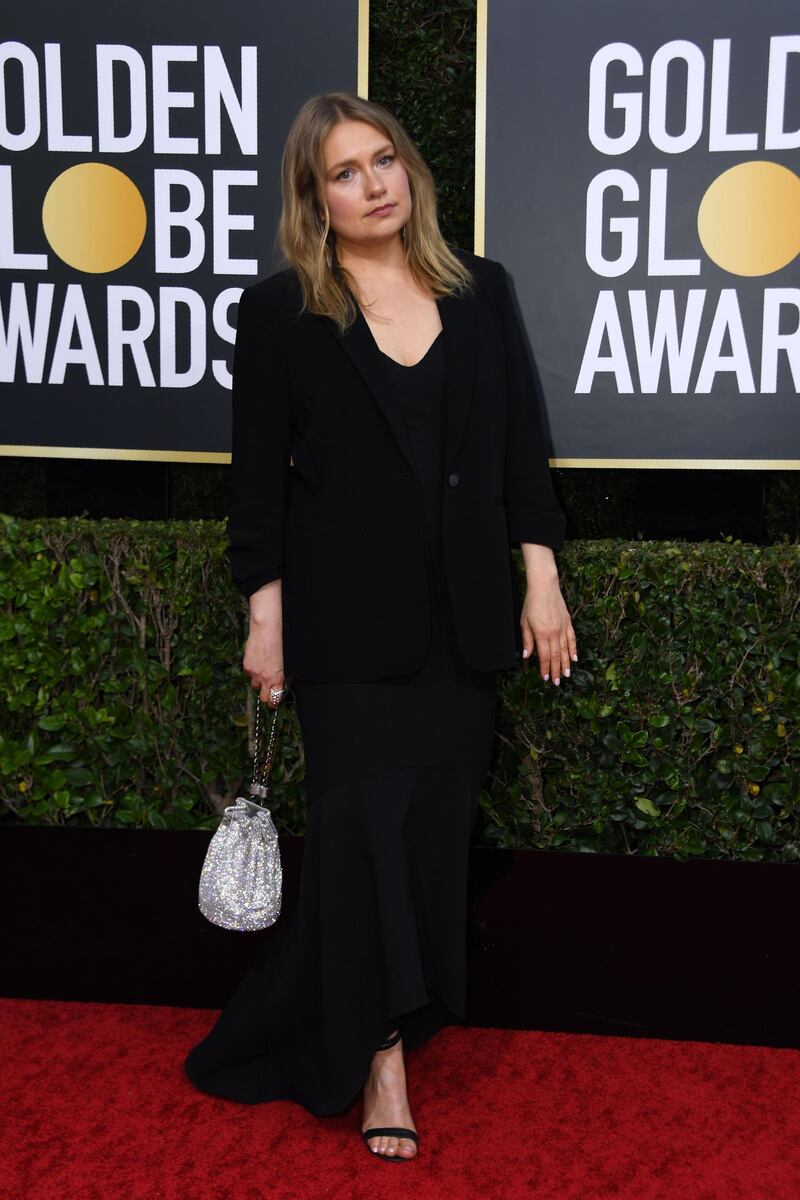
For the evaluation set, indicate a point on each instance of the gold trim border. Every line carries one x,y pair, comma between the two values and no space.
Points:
362,70
684,464
215,456
201,456
182,456
706,464
481,56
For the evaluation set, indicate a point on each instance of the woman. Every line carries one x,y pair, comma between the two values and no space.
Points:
387,452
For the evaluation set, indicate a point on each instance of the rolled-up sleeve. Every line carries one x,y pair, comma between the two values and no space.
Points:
260,448
533,511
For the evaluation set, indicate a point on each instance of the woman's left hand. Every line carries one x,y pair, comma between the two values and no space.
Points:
546,623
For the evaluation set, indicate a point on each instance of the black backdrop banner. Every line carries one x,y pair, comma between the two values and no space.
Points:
638,173
139,193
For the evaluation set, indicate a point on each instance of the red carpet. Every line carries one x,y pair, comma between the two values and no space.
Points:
95,1106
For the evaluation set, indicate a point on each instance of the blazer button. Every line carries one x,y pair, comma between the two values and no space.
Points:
452,479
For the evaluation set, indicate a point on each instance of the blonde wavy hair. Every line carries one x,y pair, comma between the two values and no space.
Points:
309,246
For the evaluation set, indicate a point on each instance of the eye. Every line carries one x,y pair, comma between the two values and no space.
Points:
382,158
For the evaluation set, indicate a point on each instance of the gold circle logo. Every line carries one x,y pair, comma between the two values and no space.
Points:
749,218
94,217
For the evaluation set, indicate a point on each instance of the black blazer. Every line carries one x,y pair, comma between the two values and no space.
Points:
342,522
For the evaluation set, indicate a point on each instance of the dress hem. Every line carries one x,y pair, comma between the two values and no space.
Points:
420,1025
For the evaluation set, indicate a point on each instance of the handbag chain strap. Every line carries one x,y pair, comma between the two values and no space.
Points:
261,769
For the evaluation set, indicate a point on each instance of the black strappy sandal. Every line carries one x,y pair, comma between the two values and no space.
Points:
389,1130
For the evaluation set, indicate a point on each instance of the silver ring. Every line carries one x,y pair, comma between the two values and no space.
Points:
276,692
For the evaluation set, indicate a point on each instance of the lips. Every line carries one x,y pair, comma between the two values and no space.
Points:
376,212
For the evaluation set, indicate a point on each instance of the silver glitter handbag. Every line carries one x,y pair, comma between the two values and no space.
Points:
241,878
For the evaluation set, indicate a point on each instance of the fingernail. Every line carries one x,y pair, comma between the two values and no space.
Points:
574,658
557,682
524,653
547,676
566,672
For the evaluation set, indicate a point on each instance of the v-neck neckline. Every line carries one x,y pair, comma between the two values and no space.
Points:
403,366
410,366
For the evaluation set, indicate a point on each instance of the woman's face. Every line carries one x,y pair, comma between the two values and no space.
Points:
362,172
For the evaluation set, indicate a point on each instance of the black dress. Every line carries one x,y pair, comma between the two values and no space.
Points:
393,773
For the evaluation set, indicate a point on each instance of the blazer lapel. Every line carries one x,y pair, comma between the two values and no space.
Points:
458,318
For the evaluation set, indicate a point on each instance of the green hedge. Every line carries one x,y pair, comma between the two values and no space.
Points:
124,701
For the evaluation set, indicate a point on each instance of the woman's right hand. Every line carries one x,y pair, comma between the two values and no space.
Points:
263,652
